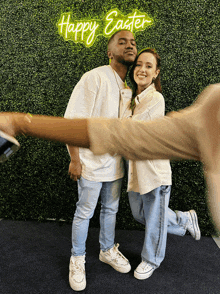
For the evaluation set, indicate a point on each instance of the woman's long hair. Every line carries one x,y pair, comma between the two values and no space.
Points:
156,81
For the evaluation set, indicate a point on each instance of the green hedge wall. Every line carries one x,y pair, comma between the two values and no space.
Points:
39,71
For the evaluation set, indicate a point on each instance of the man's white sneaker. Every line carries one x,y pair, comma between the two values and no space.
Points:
77,275
116,259
193,225
143,271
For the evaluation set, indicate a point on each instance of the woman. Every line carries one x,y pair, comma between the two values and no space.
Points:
149,181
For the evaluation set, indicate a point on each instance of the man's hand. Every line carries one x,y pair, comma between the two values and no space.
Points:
7,123
75,170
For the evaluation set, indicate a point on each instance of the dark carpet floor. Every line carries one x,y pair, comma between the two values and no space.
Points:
34,259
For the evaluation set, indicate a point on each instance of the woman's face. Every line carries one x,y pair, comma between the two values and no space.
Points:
145,70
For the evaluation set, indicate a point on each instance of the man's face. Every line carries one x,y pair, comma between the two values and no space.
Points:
123,48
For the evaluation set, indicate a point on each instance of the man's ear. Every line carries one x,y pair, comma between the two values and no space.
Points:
110,55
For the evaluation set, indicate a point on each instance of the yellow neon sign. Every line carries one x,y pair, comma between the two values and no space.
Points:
86,31
77,31
135,21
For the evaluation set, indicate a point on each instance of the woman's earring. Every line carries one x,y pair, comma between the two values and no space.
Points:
153,80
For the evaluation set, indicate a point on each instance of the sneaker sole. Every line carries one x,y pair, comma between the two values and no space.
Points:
80,287
143,276
125,271
195,224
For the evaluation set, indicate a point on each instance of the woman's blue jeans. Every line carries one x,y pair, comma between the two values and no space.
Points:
152,210
88,193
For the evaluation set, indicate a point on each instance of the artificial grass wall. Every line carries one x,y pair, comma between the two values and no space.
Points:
39,71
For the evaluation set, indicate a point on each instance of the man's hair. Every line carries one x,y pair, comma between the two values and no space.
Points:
111,39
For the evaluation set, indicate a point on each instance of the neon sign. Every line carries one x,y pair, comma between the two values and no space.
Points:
86,31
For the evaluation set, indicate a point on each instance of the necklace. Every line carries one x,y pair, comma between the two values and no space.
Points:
119,105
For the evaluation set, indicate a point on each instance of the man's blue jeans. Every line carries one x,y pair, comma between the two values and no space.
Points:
89,192
152,210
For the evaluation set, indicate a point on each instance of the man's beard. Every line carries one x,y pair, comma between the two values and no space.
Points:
123,61
127,62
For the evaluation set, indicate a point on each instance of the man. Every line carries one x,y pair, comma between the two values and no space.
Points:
98,94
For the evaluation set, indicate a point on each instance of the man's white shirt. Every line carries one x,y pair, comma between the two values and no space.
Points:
97,94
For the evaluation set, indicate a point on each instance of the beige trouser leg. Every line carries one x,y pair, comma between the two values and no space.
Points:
207,133
187,134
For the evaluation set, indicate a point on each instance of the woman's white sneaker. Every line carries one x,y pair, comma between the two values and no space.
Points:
193,225
144,271
77,274
116,259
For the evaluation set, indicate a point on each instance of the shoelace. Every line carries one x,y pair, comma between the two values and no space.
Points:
77,267
144,265
190,221
117,253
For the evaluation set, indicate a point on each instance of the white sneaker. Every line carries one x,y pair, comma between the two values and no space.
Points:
116,259
77,275
143,271
193,225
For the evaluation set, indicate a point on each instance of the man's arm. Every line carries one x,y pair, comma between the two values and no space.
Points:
73,132
80,105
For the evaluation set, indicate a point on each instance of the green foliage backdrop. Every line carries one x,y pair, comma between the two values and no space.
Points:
39,71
